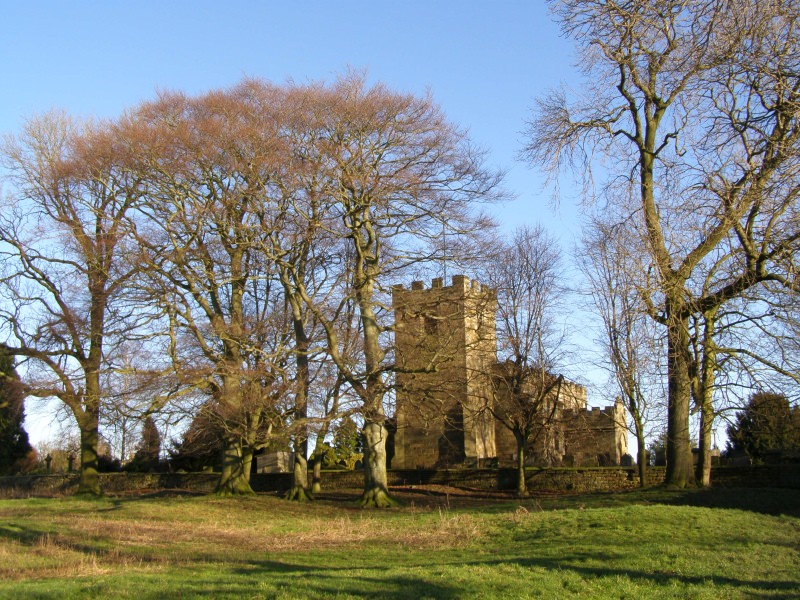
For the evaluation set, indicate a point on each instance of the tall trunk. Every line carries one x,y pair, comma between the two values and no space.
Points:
88,424
704,396
679,453
706,434
300,489
247,462
641,448
641,460
376,490
376,487
89,417
679,459
232,481
316,480
522,485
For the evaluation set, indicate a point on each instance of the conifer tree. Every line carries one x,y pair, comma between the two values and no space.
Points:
14,445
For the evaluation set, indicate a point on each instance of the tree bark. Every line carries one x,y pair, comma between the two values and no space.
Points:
679,453
522,485
706,434
641,460
376,489
316,481
232,481
89,480
299,490
89,418
704,396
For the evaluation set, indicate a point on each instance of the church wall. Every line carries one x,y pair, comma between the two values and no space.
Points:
446,354
441,351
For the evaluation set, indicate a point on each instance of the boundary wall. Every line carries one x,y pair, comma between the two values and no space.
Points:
581,480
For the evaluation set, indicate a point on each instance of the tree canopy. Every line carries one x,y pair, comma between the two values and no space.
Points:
768,424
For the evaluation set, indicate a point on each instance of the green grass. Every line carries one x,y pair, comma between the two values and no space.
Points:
653,544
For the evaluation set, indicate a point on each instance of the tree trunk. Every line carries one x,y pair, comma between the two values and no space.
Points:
299,489
232,481
706,434
641,449
522,485
89,481
247,462
89,423
679,453
316,481
641,460
376,490
704,396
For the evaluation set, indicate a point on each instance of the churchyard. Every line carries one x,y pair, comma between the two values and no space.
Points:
717,543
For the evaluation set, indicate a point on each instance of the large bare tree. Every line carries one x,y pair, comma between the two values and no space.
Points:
205,167
66,258
696,102
400,175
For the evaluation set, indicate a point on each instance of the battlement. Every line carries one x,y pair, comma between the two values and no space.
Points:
590,412
459,283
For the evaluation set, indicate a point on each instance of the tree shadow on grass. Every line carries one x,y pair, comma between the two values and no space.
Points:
312,581
320,581
769,501
663,578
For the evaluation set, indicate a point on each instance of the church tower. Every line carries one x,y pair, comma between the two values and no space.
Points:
445,349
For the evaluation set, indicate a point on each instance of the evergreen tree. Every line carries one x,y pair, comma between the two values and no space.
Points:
14,445
348,443
201,444
147,456
768,423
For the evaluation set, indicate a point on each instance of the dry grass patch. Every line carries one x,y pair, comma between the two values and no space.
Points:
52,557
144,534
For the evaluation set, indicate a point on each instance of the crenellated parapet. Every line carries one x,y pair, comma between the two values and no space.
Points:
460,285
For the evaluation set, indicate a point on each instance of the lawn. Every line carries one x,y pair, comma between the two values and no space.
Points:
654,544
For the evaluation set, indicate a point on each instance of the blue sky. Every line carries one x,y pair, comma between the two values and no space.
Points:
484,63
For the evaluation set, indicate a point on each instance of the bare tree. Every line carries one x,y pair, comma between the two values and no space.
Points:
400,175
65,262
609,258
696,102
205,169
527,387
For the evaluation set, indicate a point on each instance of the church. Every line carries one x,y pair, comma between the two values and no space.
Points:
450,389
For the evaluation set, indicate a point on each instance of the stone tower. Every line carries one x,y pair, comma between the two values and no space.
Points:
445,345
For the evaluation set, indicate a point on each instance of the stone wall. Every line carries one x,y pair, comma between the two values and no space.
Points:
64,484
584,480
595,437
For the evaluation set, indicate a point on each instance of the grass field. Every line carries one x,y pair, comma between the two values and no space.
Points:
652,544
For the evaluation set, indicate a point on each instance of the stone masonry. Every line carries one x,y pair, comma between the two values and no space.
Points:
446,354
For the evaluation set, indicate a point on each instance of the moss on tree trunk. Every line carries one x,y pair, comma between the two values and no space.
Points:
376,489
89,483
299,490
232,480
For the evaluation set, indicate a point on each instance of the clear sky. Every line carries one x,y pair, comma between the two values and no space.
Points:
483,61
